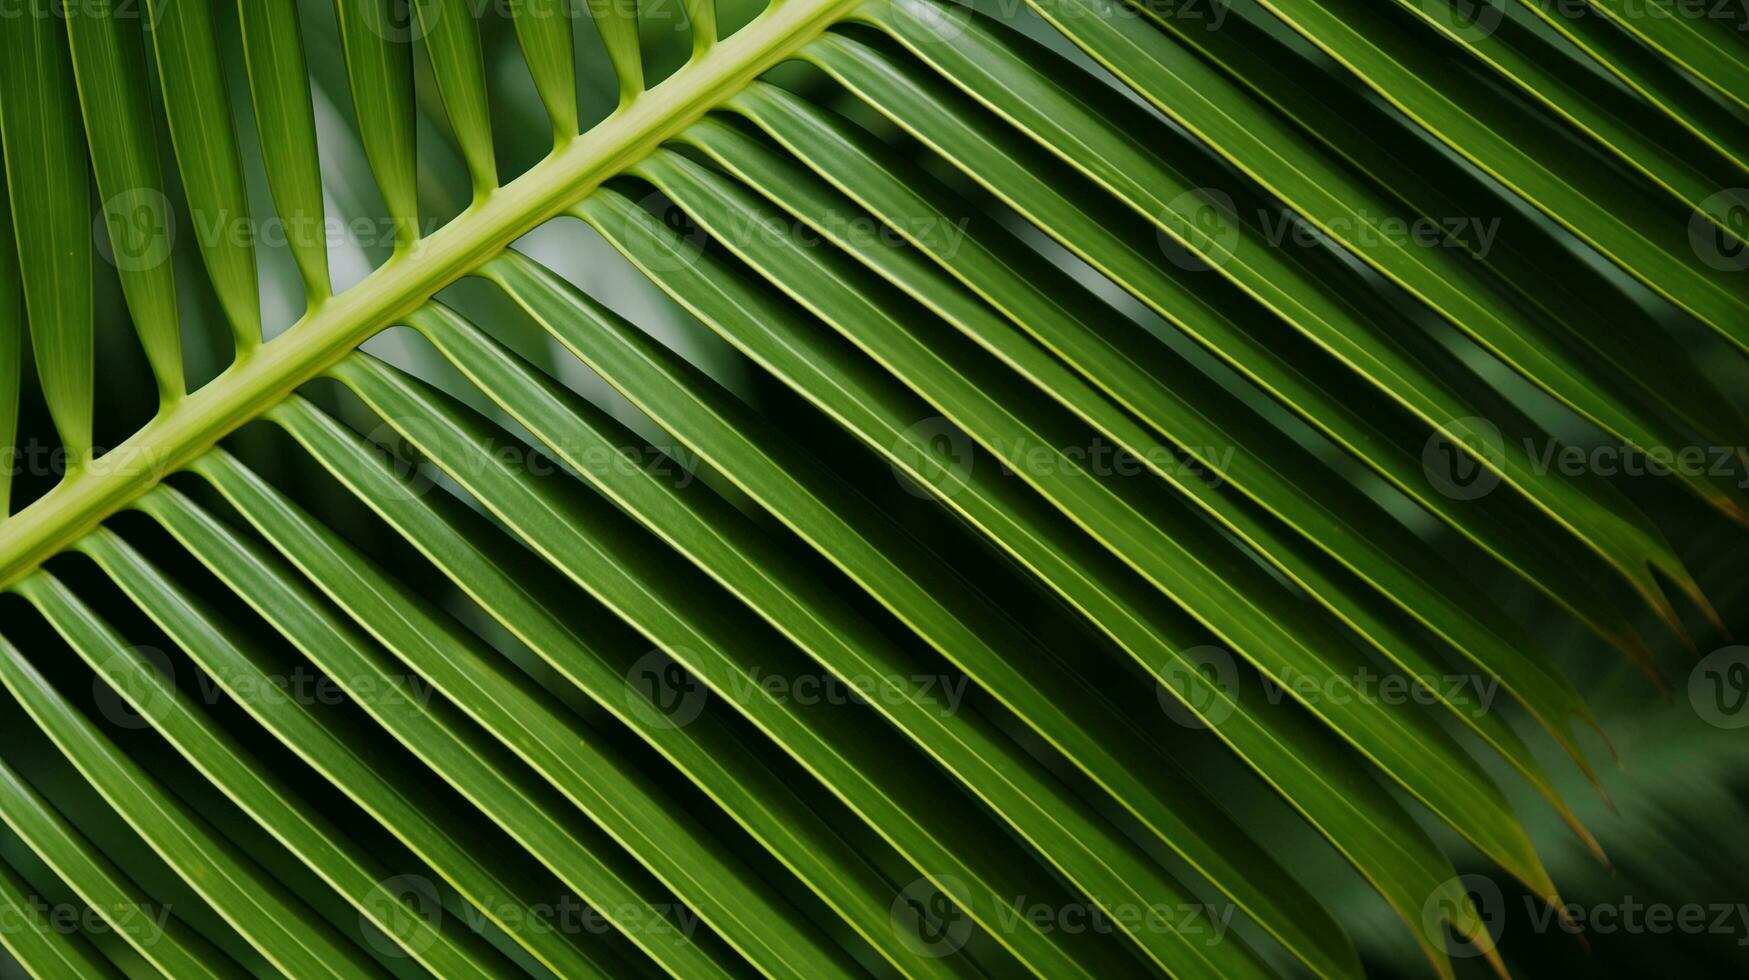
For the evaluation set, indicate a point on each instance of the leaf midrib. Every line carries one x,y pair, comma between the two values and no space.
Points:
328,332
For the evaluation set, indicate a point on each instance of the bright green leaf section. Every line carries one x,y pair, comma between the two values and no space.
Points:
617,23
376,37
452,39
48,179
279,89
204,135
109,63
11,348
544,29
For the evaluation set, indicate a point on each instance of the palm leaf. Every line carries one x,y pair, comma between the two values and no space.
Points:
633,665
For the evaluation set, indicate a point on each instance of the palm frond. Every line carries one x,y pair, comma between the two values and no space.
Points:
1220,352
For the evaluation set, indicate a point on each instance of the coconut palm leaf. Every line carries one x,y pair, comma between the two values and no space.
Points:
565,633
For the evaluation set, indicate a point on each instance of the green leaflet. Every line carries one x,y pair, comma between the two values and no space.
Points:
340,755
11,348
617,23
544,29
282,929
48,181
279,89
452,39
701,20
376,38
205,139
109,64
